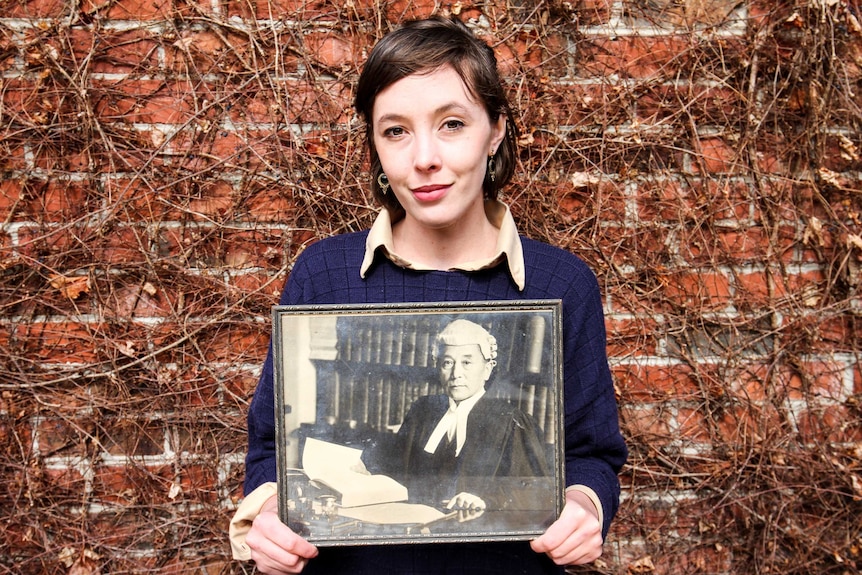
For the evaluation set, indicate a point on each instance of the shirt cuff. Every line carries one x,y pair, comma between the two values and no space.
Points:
593,497
244,516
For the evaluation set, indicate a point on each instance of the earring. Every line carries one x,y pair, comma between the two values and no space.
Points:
383,182
492,168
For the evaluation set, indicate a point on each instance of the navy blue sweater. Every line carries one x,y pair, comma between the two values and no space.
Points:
327,272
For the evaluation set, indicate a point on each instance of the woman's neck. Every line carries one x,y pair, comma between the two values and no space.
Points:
445,248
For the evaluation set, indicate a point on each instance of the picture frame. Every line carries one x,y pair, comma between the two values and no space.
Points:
360,391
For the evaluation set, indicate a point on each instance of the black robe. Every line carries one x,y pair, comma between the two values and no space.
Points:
503,458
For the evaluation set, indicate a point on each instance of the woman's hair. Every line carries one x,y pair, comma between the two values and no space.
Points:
424,46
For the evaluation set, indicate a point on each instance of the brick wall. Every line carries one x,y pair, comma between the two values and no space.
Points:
162,163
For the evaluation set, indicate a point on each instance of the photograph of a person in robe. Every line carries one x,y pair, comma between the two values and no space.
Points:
462,449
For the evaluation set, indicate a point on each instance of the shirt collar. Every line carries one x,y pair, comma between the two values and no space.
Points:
454,422
508,245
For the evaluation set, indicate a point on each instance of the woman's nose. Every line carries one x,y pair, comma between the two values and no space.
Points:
426,154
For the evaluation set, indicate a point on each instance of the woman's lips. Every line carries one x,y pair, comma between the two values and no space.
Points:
430,193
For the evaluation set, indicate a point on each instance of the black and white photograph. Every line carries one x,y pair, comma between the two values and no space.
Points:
418,422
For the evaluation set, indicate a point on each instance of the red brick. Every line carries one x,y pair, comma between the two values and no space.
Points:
593,12
321,102
257,104
211,200
132,483
403,10
735,424
65,435
199,483
711,105
588,196
238,388
144,101
8,51
550,104
64,485
273,203
141,299
341,51
759,289
35,9
142,10
655,382
195,388
773,155
238,343
115,51
715,156
829,424
714,244
57,200
281,9
698,290
633,56
60,342
219,249
204,52
820,378
133,437
31,103
534,53
12,153
646,425
632,337
11,196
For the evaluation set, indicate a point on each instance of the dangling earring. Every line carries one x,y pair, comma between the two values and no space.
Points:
492,167
383,182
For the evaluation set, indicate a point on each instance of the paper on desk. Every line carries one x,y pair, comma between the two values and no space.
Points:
341,469
393,513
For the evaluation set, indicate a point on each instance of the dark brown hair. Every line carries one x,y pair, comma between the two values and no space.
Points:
423,46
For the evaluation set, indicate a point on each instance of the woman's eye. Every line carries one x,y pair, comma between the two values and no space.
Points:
454,124
393,131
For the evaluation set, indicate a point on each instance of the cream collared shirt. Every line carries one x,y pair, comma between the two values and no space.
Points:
508,244
380,241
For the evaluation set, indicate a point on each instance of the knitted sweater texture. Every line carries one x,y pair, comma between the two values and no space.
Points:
327,272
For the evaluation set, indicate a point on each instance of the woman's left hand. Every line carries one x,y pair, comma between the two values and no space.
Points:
575,537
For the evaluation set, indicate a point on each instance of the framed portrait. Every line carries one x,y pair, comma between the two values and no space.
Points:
419,423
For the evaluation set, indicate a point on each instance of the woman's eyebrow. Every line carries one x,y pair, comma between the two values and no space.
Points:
444,109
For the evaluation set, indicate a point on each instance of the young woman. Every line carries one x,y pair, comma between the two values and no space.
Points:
441,144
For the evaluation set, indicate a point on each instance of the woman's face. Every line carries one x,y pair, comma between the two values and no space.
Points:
433,139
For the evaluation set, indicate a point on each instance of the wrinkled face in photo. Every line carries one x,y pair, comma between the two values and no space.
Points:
463,370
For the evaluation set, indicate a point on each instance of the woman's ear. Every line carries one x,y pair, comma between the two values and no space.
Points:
498,130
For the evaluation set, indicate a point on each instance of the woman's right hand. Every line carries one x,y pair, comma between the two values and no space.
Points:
275,547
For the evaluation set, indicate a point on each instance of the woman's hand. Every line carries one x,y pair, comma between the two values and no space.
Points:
576,537
276,548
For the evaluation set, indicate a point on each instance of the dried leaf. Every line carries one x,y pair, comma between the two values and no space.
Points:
644,565
829,177
71,287
849,151
813,232
127,348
